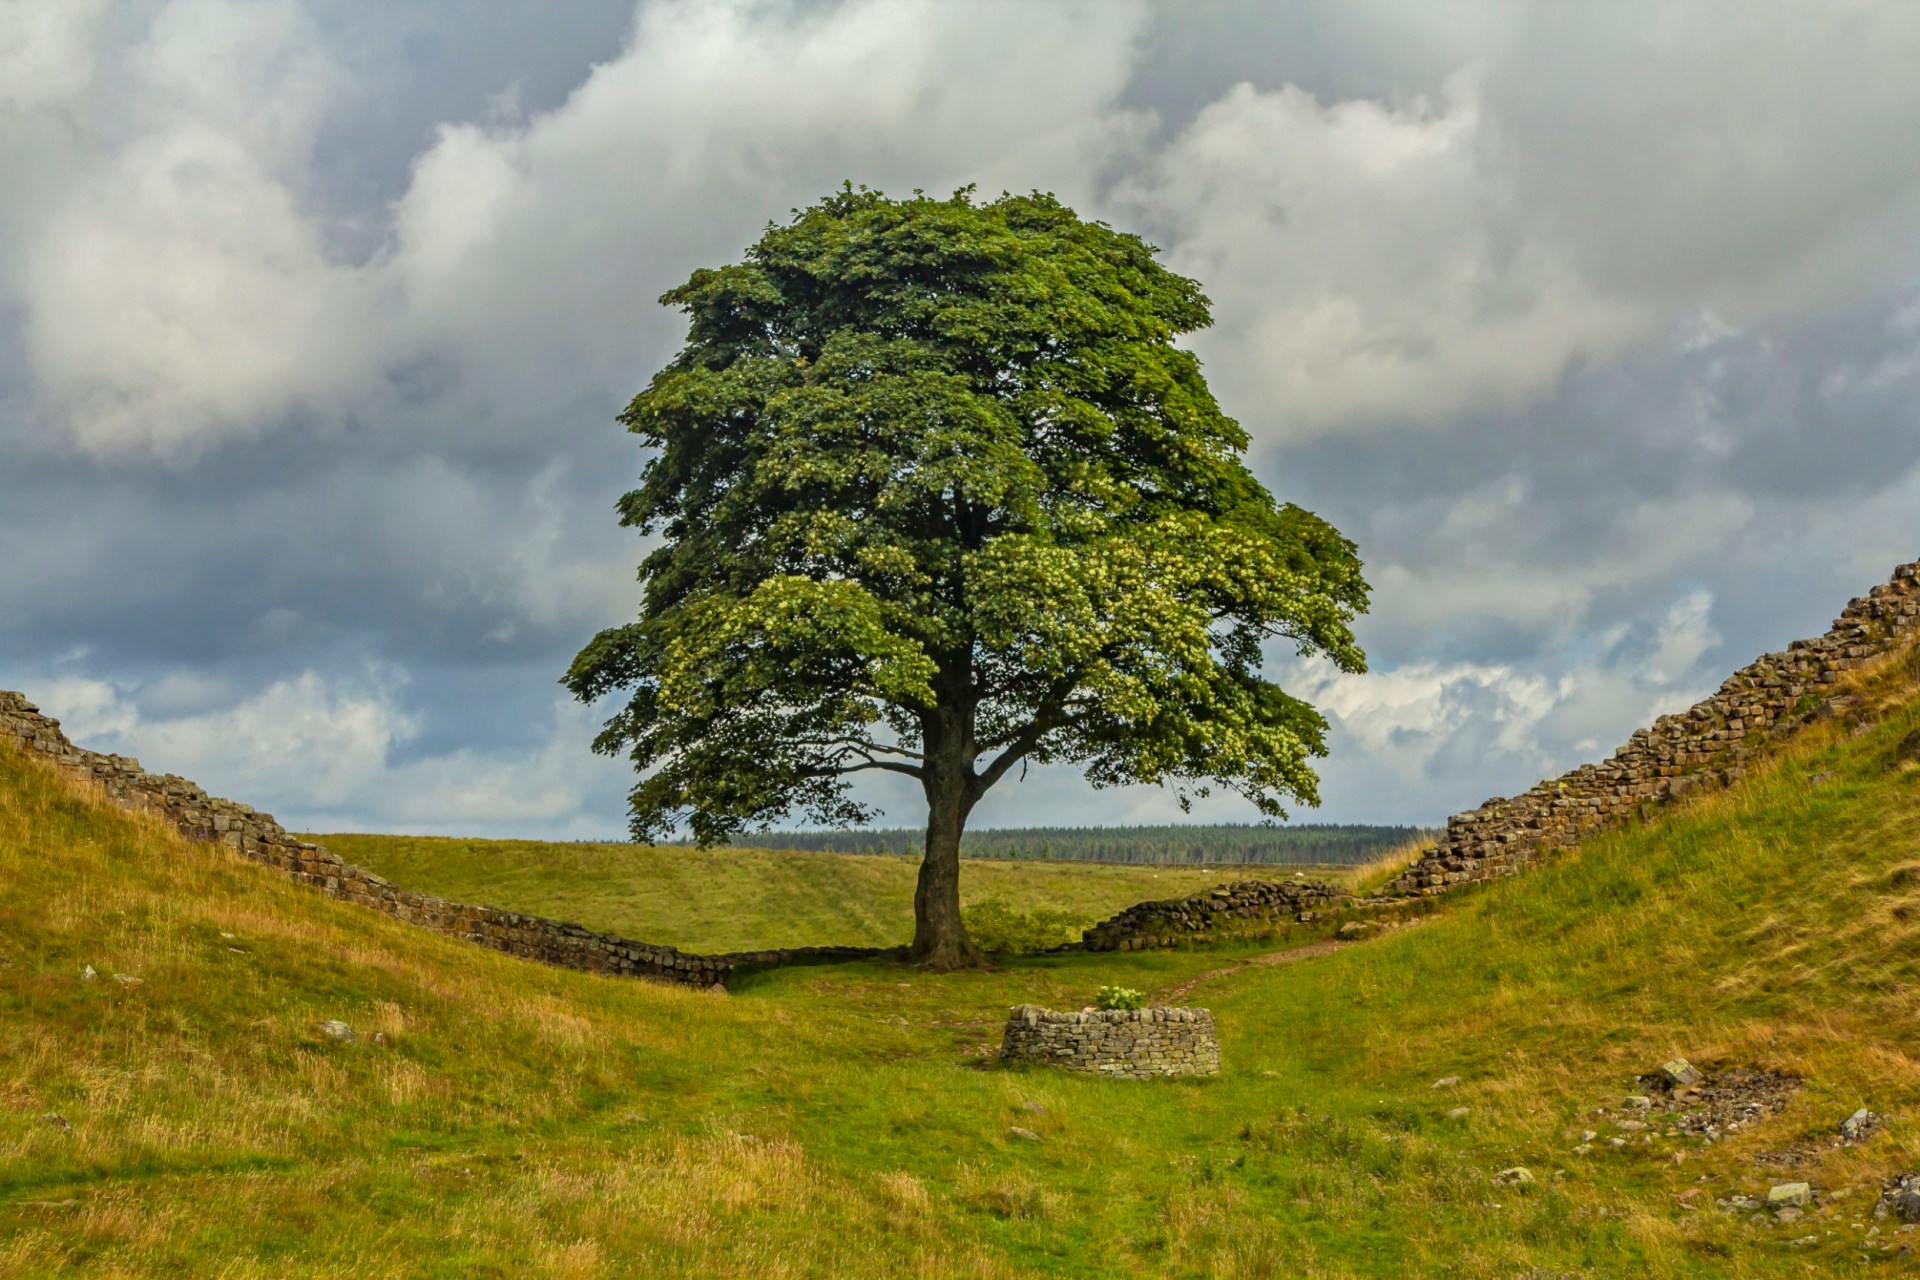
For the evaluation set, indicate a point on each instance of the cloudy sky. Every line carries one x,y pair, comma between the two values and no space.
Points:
1596,325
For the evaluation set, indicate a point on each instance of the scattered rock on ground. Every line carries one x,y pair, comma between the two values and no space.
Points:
1353,929
1519,1176
1908,752
88,975
1034,1107
1900,1198
1861,1124
1679,1074
126,979
57,1121
1027,1135
1458,1113
336,1030
1794,1195
1858,1127
1720,1102
1446,1082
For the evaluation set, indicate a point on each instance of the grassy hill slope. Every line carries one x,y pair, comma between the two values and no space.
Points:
516,1120
730,899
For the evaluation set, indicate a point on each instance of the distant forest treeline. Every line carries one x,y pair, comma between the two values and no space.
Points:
1323,843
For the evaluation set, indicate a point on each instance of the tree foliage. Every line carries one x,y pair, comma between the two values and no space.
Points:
936,493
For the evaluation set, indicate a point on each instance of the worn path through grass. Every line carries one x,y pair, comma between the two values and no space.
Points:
1180,991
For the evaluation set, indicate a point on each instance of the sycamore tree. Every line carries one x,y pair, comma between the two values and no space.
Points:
936,494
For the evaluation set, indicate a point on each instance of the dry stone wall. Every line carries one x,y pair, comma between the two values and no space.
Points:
1248,908
1131,1043
257,836
1704,746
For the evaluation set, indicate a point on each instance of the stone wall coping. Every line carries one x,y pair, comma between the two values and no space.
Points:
1033,1014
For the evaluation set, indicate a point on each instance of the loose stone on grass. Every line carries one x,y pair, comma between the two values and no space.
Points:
1679,1074
1861,1124
1785,1195
1900,1198
333,1029
1908,752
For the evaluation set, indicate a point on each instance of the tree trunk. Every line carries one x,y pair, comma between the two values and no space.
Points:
940,939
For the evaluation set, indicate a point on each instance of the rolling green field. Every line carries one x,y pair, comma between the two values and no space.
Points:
513,1120
1189,844
739,899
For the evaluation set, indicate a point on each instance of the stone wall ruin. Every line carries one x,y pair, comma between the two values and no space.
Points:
1707,745
1247,909
256,836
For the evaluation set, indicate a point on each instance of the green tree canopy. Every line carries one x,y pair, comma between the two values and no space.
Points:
937,494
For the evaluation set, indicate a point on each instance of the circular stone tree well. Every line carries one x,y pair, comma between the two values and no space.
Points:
1135,1044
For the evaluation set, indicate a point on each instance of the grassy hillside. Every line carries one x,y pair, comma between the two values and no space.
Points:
737,899
517,1120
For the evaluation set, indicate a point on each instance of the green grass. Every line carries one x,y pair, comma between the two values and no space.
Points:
712,900
847,1121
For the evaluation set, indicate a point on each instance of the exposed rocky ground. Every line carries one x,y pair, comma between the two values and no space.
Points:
1680,1102
1717,1103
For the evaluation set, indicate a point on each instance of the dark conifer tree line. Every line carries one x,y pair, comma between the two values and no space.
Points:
1181,845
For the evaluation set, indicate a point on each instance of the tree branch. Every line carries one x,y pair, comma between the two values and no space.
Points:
912,771
1051,716
862,745
838,770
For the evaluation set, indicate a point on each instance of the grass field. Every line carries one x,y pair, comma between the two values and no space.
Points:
514,1120
740,899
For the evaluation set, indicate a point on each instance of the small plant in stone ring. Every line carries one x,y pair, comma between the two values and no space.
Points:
1119,998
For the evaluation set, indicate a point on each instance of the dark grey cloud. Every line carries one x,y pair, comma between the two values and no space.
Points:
1598,327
